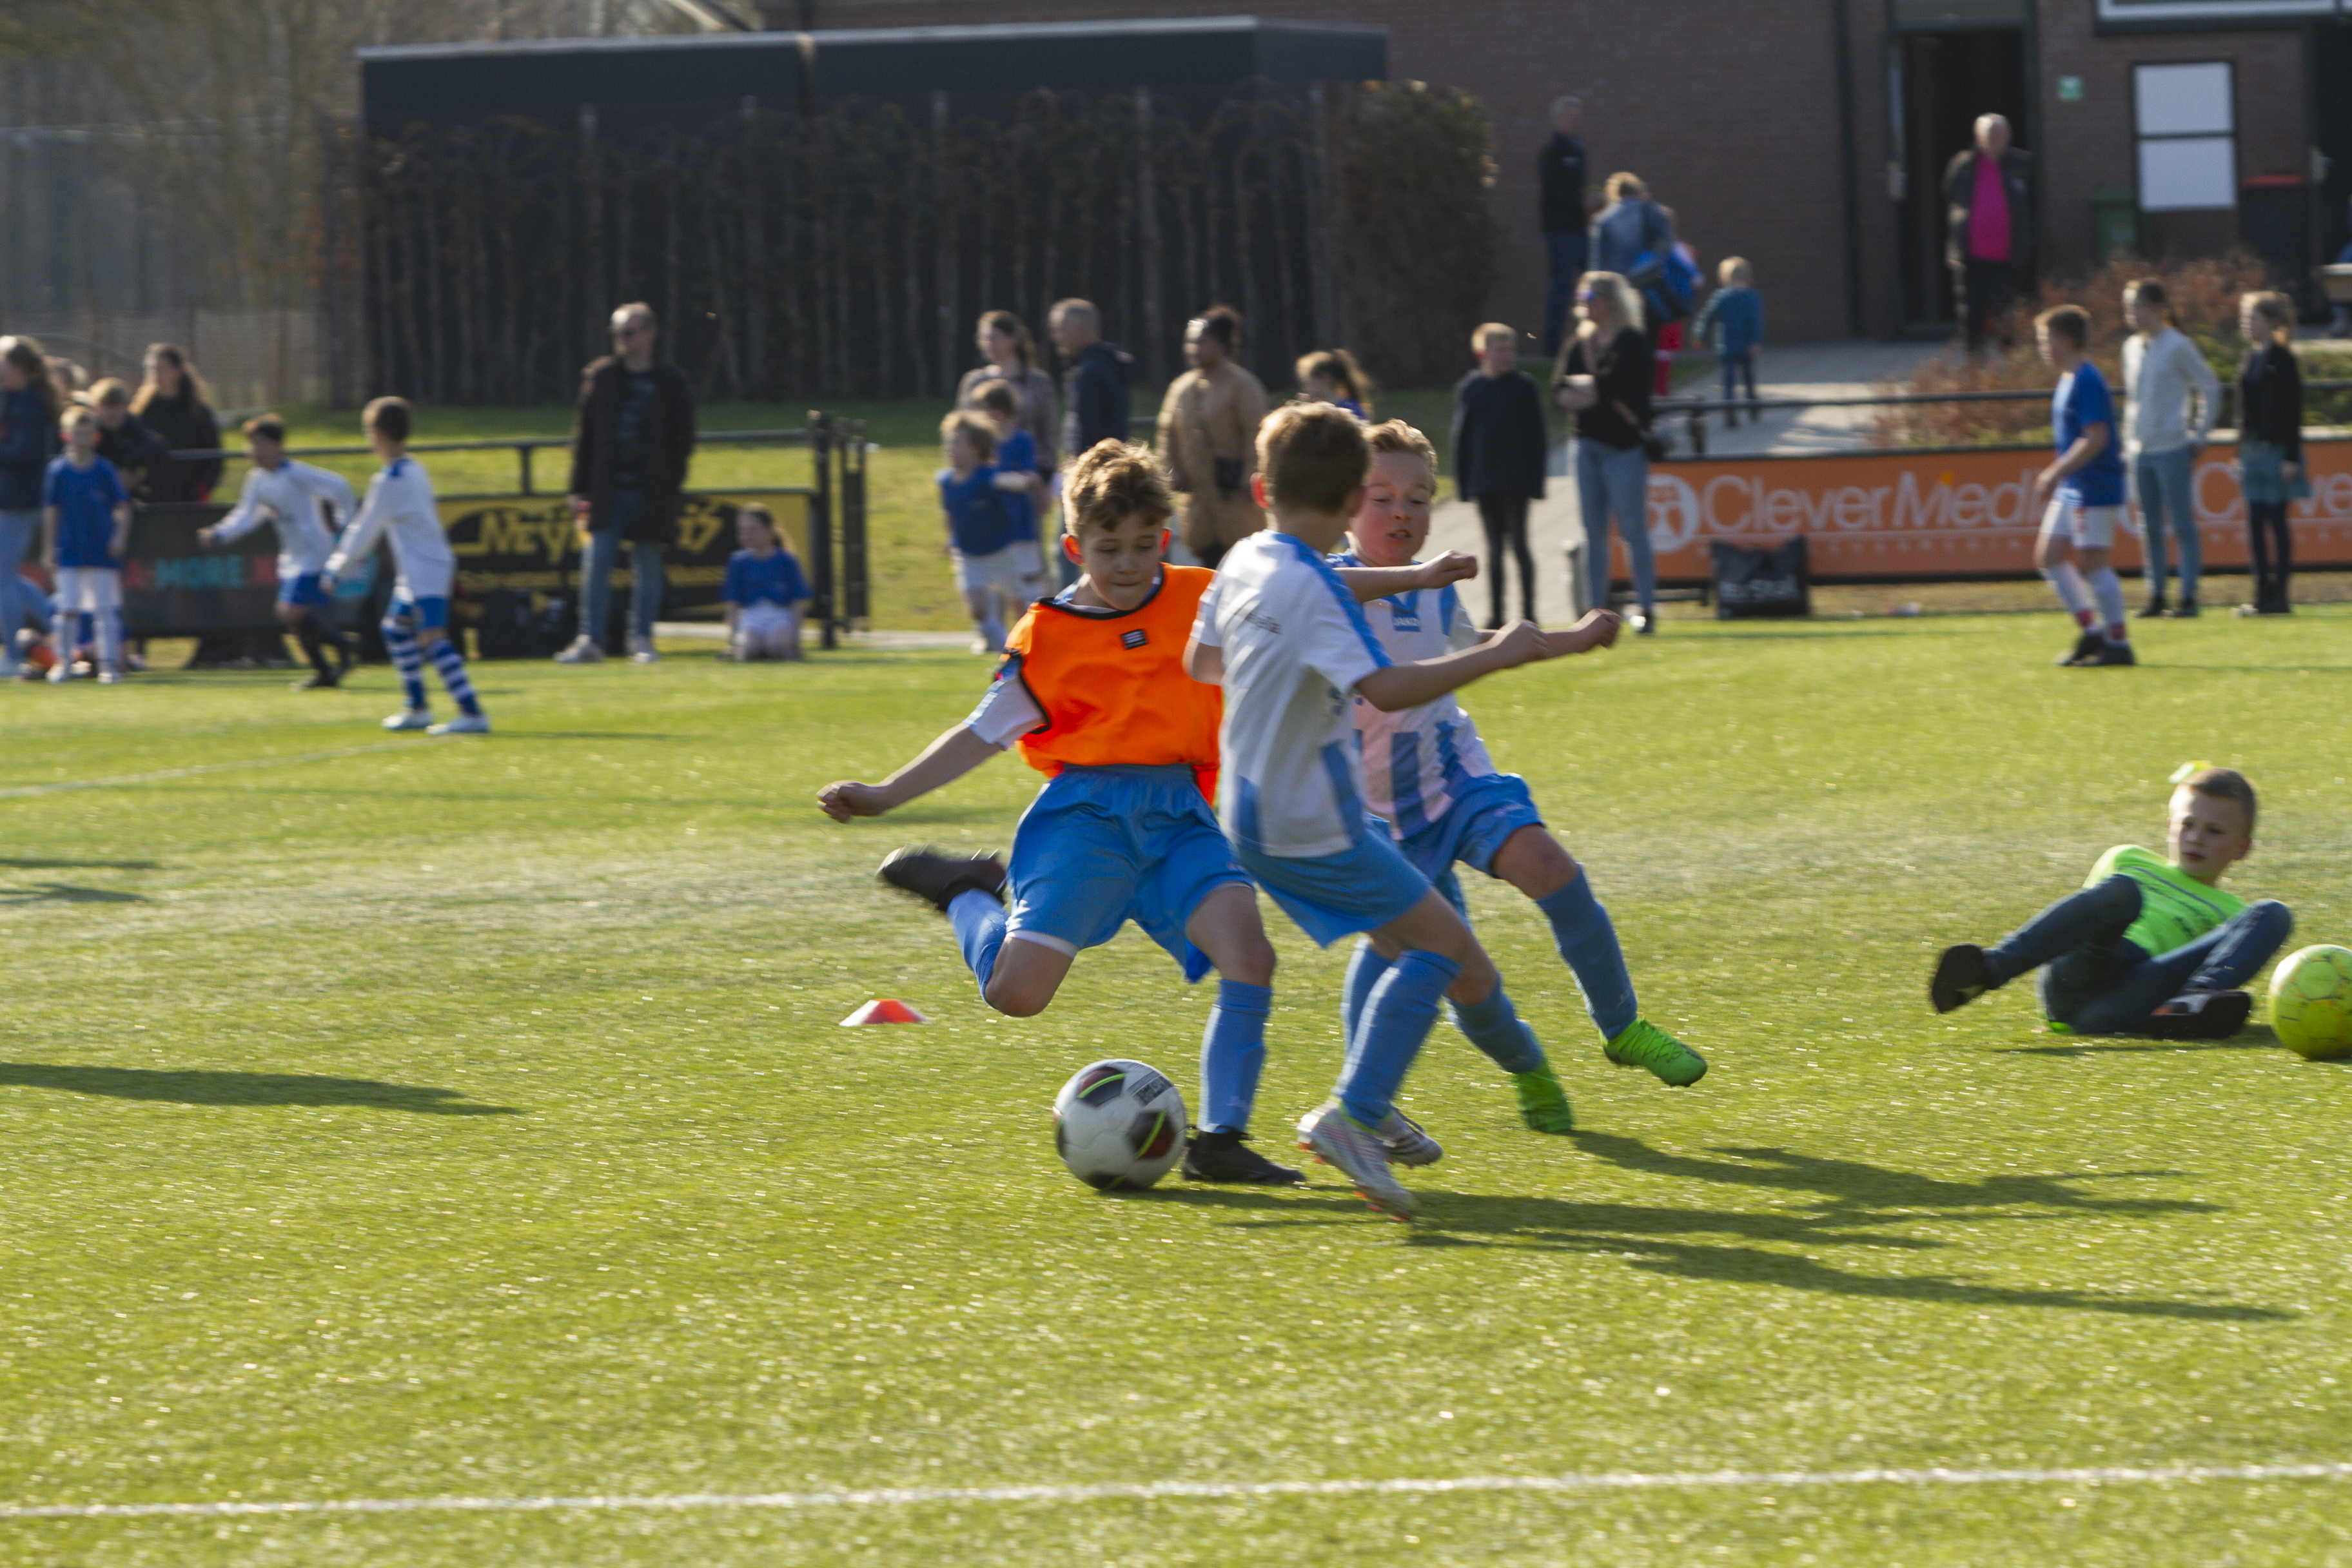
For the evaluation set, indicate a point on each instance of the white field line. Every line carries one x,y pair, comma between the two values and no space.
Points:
901,1496
23,791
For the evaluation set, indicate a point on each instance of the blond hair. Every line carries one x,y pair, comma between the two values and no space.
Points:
1621,185
1727,270
75,417
1623,302
109,394
1489,330
1394,438
1313,456
2071,322
1113,481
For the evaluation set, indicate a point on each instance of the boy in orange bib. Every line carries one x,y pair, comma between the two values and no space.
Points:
1094,693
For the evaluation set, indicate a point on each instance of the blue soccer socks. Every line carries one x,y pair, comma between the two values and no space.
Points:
1397,1020
979,922
1232,1054
1581,928
1496,1028
451,665
407,658
1365,967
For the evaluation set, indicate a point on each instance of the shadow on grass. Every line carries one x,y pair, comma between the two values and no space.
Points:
37,864
67,893
2251,1038
204,1088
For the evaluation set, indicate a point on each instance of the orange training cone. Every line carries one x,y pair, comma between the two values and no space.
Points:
884,1010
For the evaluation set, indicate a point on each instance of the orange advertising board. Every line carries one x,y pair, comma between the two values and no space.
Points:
1896,515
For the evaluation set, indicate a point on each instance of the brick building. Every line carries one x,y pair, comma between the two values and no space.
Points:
1811,135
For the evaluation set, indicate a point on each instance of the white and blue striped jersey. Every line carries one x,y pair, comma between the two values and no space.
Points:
287,498
1290,780
1417,760
400,503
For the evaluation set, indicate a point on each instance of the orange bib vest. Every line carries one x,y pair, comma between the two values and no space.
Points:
1113,686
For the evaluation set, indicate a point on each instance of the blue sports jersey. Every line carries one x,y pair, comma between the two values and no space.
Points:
980,521
2082,401
1017,454
85,500
777,578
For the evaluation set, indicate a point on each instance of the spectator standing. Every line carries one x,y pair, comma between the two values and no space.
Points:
631,442
1012,356
1095,405
1208,437
1500,442
173,403
1734,321
2163,373
29,407
123,438
2270,445
1333,376
1988,216
1603,378
1565,180
1630,228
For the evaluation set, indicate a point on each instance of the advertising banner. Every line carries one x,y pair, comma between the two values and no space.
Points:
1893,516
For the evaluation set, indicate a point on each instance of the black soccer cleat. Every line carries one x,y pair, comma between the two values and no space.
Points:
2086,648
1962,974
1227,1157
2112,653
319,680
2201,1015
938,878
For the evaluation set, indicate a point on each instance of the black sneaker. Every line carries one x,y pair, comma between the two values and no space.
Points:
2086,647
1227,1157
938,878
2201,1015
2188,609
319,680
2154,610
1962,974
2112,653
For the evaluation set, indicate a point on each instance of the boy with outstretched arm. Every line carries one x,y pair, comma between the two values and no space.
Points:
1290,643
2149,945
286,495
1093,691
400,506
1427,775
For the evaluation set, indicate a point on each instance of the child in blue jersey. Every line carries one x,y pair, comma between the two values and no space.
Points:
400,506
1000,572
1017,454
2083,491
1427,775
1289,642
764,590
85,529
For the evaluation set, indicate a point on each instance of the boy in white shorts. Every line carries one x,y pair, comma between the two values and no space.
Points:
981,505
85,529
2083,492
417,625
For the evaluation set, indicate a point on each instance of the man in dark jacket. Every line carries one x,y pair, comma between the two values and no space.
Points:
1988,220
630,446
1096,405
1562,171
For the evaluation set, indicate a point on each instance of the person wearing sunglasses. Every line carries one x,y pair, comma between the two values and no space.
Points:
630,446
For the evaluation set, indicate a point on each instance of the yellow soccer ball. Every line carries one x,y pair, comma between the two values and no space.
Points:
2311,1002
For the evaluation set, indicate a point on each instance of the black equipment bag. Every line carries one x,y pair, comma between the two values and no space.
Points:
1754,582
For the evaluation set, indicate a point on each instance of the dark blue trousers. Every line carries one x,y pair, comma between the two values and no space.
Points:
2097,982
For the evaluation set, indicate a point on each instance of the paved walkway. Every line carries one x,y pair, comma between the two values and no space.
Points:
1815,370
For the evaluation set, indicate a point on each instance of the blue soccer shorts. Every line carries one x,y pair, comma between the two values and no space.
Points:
1357,890
1100,846
427,613
304,591
1485,810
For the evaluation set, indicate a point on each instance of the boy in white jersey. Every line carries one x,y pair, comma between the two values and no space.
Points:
1427,774
1288,641
400,506
286,495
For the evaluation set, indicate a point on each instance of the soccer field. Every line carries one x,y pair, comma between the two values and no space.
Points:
397,1121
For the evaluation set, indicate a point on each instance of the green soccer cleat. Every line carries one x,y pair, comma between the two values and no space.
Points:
1644,1045
1543,1104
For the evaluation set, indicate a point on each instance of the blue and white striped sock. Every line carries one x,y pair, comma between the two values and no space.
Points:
408,659
451,664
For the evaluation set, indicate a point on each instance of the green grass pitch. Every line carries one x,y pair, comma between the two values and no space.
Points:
388,1118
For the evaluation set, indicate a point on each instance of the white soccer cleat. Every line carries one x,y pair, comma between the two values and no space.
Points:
61,672
583,650
462,725
1337,1139
109,677
410,718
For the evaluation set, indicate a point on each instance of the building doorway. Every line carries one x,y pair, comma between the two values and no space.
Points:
1943,80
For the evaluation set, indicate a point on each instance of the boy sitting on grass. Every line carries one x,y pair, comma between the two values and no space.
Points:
2150,946
1427,774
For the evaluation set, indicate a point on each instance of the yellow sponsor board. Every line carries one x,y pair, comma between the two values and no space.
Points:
533,544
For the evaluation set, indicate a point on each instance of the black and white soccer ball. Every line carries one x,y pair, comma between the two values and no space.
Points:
1118,1125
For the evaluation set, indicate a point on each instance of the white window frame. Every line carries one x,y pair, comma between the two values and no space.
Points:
2187,165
